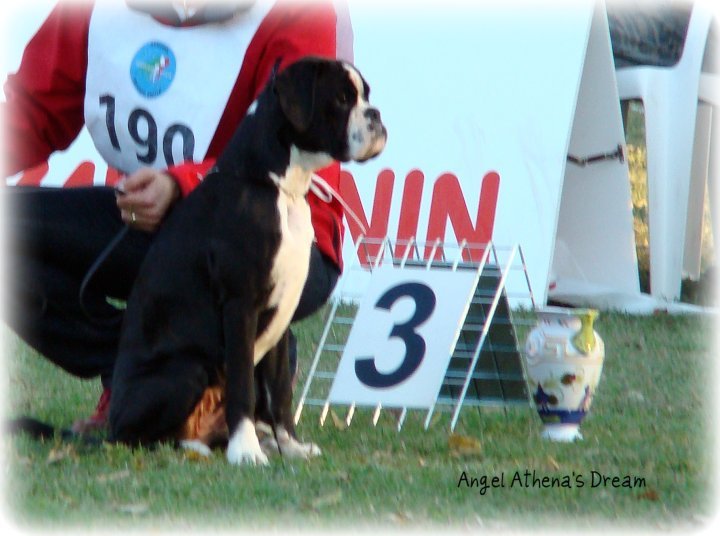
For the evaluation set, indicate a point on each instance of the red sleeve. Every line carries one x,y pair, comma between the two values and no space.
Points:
189,174
327,218
43,111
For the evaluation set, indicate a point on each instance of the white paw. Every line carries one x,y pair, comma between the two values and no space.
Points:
196,446
293,448
244,447
268,445
303,450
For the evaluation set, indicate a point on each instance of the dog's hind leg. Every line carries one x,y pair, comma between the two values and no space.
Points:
206,424
152,407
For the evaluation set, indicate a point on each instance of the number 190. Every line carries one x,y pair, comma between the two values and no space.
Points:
143,129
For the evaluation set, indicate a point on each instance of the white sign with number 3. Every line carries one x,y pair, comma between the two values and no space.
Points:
403,336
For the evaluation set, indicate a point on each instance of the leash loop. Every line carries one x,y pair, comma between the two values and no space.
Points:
326,193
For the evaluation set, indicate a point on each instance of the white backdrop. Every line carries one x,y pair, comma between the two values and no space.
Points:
475,97
481,90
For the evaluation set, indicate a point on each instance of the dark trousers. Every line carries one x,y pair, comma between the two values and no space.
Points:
54,236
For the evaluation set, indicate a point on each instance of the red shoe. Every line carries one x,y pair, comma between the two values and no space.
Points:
98,420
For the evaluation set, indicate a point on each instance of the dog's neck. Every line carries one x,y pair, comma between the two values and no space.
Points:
295,182
261,139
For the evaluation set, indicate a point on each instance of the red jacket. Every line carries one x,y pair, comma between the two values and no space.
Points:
44,111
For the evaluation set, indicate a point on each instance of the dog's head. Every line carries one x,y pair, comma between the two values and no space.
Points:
326,104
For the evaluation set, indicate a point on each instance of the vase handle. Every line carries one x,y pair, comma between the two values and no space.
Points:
584,339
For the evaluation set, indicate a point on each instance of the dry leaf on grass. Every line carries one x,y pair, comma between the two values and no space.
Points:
113,477
340,424
330,499
341,476
650,494
400,518
194,456
553,463
60,453
461,445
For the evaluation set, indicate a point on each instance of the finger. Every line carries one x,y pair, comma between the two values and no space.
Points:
144,225
134,221
151,202
139,180
128,217
142,221
119,188
139,201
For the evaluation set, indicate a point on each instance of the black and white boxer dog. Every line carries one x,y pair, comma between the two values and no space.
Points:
215,295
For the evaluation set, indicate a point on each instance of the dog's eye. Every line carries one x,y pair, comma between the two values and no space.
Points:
342,99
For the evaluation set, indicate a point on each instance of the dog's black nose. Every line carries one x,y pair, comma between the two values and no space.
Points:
373,114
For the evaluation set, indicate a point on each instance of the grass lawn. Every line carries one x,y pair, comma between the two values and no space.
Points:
650,419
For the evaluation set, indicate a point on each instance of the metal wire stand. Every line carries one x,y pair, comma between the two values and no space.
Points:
485,367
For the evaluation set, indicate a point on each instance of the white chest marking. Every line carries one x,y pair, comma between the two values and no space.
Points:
290,268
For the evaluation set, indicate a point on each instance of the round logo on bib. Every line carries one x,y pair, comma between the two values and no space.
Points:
153,69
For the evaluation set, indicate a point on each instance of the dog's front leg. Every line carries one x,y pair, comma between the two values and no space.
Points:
240,332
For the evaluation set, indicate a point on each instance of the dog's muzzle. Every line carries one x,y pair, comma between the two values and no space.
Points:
375,135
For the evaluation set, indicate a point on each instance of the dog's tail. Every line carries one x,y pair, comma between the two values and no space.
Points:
42,431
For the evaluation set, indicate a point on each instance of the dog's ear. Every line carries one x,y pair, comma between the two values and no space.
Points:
295,88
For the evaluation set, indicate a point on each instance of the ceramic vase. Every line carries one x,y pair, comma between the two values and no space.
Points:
564,359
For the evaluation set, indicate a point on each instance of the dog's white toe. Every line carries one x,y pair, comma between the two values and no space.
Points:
244,447
247,458
314,450
294,448
308,450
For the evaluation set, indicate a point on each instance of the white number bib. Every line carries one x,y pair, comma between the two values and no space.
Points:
155,93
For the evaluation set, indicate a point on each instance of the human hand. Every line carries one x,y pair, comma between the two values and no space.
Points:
148,194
